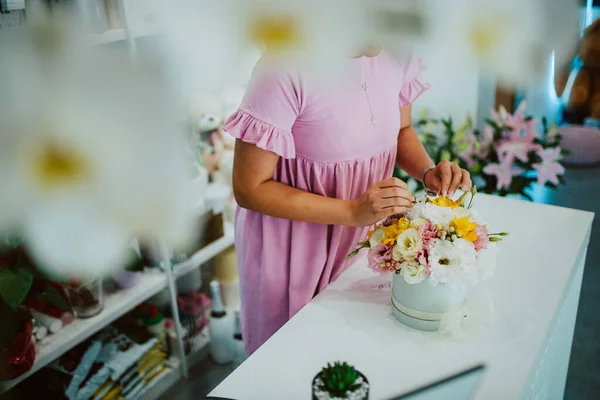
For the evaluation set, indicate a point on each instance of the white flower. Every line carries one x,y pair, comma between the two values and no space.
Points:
413,272
376,238
438,215
452,263
204,40
407,245
92,155
511,39
486,261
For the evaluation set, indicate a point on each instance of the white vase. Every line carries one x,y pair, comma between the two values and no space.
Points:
422,306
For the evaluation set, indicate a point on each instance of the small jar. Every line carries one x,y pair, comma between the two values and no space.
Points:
86,298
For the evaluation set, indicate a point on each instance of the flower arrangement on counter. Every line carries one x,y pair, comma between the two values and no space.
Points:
506,157
441,240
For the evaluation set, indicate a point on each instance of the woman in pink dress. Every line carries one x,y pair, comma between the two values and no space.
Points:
313,170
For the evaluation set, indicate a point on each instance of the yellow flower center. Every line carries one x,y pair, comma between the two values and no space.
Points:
275,32
56,166
485,35
445,202
465,228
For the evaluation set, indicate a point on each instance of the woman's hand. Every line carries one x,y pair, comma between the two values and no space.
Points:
381,200
446,178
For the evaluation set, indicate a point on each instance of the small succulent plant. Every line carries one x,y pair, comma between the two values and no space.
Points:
339,379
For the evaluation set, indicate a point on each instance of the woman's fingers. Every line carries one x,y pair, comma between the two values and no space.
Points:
466,184
445,173
393,202
391,192
456,179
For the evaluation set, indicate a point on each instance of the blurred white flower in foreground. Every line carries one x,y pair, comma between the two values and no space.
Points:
205,40
512,39
90,154
394,25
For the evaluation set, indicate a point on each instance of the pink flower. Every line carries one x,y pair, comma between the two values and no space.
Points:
468,148
380,258
482,238
487,139
549,169
518,146
504,172
428,232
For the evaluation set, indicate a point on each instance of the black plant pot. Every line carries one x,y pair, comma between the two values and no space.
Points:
365,380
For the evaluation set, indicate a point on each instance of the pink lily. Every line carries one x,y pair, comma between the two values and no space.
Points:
518,146
487,138
504,172
470,149
549,169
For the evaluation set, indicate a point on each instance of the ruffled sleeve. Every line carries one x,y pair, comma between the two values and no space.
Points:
268,111
246,127
413,83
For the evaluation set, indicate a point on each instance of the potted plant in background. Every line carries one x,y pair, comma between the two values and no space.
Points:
505,158
20,282
340,381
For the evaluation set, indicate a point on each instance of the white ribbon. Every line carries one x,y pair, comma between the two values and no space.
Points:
470,318
423,315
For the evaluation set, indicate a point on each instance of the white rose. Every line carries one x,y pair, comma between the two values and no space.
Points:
413,272
407,245
376,238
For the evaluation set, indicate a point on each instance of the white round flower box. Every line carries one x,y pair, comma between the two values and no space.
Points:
421,306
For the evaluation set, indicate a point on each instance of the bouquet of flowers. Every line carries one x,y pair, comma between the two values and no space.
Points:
506,157
440,240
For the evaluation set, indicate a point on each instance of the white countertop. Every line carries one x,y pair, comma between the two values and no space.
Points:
351,320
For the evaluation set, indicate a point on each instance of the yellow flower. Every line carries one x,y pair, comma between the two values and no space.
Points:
465,228
393,231
371,232
445,202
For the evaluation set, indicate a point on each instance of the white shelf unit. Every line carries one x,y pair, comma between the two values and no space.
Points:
207,252
109,36
115,306
118,304
118,35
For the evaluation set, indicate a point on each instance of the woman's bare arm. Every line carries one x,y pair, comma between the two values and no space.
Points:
445,178
255,189
411,156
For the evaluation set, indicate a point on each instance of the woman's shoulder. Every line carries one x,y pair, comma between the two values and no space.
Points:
271,69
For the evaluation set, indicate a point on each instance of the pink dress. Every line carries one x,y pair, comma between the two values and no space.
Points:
327,145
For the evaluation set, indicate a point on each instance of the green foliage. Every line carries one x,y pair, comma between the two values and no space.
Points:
472,150
339,379
14,285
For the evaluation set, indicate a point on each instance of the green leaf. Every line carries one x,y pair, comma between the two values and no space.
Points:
14,285
11,325
50,294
